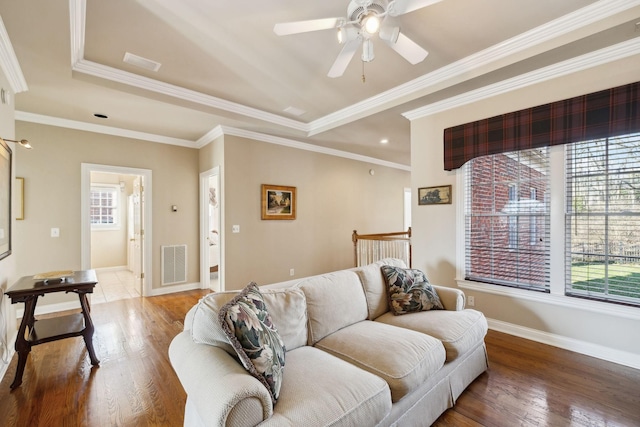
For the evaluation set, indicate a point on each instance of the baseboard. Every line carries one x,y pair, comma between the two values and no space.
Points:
175,288
595,350
116,268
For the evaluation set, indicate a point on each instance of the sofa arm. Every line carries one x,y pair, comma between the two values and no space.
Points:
451,298
219,388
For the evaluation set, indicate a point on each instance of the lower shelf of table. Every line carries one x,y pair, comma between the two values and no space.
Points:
46,330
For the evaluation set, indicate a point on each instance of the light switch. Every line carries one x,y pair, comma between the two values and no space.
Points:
55,232
235,228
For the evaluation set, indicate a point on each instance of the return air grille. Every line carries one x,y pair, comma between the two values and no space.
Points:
174,264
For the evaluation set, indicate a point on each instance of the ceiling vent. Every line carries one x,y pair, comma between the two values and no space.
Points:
294,111
141,62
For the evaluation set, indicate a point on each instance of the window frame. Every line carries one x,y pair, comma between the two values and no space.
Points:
556,295
116,225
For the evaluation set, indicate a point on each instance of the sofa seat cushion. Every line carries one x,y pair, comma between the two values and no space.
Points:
459,331
402,357
319,389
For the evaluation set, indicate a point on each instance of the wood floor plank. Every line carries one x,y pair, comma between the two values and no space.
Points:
528,384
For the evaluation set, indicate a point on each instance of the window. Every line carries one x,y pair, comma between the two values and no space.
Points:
603,219
103,210
506,222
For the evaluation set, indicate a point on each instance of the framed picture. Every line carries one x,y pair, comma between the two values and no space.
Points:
19,200
278,202
434,195
5,199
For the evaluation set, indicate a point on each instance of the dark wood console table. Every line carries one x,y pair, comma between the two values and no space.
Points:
27,290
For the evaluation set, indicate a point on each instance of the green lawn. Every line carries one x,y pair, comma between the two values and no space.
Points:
624,279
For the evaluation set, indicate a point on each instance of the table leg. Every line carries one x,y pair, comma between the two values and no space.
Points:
87,334
23,346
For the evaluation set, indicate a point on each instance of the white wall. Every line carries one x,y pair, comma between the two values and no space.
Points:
595,328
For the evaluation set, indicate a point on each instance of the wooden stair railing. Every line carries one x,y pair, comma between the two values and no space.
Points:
370,248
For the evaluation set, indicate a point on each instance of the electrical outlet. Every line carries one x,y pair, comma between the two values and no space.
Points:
471,301
292,272
55,232
235,228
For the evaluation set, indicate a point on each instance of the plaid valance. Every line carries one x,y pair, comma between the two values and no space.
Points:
607,113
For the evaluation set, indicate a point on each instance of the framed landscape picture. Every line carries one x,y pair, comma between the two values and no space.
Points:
278,202
434,195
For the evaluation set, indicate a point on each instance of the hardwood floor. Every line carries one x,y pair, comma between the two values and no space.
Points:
528,384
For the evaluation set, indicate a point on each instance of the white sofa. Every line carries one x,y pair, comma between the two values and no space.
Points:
349,361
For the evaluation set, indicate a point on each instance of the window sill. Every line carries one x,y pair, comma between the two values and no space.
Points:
559,300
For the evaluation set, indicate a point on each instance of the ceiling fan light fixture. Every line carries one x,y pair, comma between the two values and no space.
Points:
347,34
367,51
371,23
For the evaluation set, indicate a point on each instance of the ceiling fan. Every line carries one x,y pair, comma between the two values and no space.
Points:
365,19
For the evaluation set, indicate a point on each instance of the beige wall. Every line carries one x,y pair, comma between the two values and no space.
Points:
435,227
335,197
52,199
8,273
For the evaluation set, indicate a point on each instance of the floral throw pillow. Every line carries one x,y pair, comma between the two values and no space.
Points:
247,323
409,291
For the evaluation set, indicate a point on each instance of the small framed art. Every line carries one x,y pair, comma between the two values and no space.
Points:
278,202
440,195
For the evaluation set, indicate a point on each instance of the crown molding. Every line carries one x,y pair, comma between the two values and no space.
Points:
77,11
9,62
207,138
107,130
488,59
130,79
241,133
573,65
77,20
210,136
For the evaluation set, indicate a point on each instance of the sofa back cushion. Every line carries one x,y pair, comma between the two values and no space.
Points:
287,308
334,301
375,286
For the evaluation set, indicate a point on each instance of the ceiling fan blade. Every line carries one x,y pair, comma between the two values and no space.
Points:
409,49
400,7
287,28
342,61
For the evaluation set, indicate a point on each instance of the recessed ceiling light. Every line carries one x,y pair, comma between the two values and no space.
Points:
141,62
100,116
294,111
384,141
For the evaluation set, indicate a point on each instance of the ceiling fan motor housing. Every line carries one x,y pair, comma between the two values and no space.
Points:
358,9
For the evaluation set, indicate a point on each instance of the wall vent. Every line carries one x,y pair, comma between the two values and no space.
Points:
174,264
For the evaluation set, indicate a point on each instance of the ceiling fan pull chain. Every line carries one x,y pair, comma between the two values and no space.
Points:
363,77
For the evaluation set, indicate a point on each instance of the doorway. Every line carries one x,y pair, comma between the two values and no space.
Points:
211,242
115,212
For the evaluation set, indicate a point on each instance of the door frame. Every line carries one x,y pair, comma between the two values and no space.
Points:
85,224
204,215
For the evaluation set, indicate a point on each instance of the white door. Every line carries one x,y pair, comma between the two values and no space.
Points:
137,242
211,238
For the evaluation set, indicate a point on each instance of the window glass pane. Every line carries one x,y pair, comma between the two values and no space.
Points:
603,219
103,206
507,219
